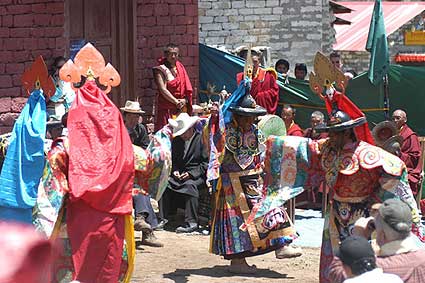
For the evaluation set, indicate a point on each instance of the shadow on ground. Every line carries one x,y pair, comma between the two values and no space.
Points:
218,271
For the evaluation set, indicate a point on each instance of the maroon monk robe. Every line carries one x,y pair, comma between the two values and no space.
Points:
264,89
181,88
294,130
410,154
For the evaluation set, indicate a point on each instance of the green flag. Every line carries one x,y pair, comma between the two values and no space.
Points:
377,46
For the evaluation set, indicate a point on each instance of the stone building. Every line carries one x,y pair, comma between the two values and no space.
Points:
294,30
131,35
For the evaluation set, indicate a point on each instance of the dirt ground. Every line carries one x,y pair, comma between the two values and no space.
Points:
185,258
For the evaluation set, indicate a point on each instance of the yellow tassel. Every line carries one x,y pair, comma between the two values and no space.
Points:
131,246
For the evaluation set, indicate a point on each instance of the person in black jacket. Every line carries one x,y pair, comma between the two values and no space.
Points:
145,218
188,175
138,133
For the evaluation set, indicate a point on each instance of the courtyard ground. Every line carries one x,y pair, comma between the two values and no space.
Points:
185,258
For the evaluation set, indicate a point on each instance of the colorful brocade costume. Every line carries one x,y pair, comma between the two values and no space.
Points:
357,173
50,213
236,161
89,184
358,176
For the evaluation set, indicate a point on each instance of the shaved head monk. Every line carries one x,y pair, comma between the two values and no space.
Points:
410,149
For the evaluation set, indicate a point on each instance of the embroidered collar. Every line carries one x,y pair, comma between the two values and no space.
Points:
244,146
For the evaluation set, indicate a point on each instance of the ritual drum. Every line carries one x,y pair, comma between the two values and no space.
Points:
272,125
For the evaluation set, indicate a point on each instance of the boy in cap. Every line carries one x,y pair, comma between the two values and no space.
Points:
359,262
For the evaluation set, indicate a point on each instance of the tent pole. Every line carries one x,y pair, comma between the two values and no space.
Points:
386,98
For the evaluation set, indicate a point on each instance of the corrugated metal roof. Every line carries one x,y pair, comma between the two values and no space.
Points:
353,37
338,9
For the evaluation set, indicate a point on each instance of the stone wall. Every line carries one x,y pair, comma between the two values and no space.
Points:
396,39
294,30
355,60
28,29
158,24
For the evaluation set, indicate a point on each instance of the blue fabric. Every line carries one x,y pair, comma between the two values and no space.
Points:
234,99
24,162
58,95
142,205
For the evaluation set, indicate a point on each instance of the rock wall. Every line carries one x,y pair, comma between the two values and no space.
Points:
28,29
158,24
294,30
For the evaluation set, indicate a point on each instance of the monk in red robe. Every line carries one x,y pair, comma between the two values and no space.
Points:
174,87
264,88
288,116
410,149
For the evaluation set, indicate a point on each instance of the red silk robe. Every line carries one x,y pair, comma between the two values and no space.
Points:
101,173
410,154
181,88
264,89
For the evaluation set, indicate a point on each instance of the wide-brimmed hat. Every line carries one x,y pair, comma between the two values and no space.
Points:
340,121
248,107
383,131
182,123
132,107
197,109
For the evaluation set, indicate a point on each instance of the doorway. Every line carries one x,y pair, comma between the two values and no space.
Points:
110,25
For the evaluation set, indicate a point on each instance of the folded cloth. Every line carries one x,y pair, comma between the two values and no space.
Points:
24,161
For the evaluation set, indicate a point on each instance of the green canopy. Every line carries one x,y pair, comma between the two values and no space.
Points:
297,93
406,91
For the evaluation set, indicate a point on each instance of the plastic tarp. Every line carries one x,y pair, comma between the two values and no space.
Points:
406,89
